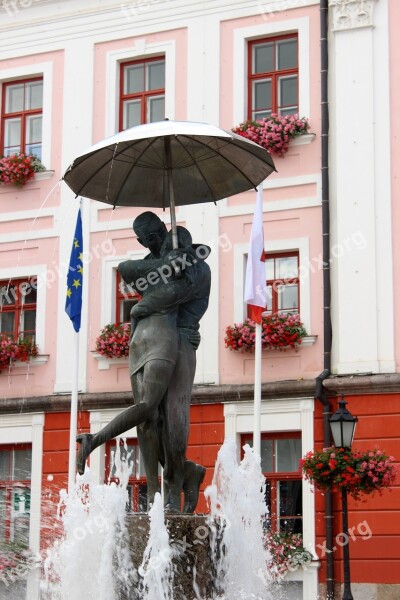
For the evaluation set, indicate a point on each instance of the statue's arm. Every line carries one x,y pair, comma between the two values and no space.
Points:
131,270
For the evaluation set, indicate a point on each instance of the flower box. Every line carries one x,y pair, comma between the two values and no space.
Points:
13,351
278,332
19,169
275,132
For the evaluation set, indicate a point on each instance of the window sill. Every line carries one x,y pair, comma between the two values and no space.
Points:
105,363
308,340
43,175
42,359
301,140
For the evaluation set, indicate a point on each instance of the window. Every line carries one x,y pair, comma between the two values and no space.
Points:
126,298
15,492
142,92
273,77
280,456
282,282
18,308
137,486
21,117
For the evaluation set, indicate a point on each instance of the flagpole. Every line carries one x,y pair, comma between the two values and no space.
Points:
255,297
74,414
257,392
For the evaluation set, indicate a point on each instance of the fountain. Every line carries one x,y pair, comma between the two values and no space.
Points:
109,555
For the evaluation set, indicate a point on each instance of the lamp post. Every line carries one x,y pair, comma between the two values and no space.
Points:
343,426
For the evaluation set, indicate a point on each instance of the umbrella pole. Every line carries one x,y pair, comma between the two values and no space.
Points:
171,195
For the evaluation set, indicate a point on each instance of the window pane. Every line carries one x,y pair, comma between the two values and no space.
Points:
286,267
128,453
155,109
142,498
2,515
287,91
288,297
28,321
134,79
22,462
288,454
34,95
270,268
289,111
21,499
125,310
28,292
33,129
4,464
263,58
132,114
7,322
269,298
290,505
262,94
263,114
8,295
14,98
266,456
12,132
155,75
286,54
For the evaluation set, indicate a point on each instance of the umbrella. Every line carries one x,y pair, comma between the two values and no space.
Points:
169,163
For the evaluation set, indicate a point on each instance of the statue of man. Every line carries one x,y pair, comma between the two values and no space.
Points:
175,285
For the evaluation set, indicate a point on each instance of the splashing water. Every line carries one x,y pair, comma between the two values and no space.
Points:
237,503
156,568
92,559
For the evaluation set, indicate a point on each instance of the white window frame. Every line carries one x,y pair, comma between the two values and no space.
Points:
139,50
28,429
292,414
44,70
300,245
39,271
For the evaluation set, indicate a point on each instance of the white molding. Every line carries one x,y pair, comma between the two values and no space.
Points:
302,140
303,246
44,69
269,27
28,428
109,265
42,175
39,271
104,363
22,215
292,414
139,50
98,420
42,359
277,205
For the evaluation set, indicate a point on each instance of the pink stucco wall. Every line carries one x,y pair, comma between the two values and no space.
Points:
36,196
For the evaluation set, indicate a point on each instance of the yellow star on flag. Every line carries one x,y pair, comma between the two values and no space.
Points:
69,292
76,243
80,269
76,283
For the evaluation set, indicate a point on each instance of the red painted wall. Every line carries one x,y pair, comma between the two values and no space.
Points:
375,551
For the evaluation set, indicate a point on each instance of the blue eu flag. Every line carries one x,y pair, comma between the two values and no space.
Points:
73,305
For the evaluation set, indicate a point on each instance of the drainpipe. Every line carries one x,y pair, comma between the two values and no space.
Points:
320,392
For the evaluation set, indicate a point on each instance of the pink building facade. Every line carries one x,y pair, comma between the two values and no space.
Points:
83,53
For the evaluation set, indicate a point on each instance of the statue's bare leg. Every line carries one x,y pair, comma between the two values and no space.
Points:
150,385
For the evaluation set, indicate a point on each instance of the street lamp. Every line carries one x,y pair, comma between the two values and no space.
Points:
343,426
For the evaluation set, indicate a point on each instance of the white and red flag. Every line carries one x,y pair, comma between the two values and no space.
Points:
255,297
255,285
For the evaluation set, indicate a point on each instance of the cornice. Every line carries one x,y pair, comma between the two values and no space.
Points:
363,385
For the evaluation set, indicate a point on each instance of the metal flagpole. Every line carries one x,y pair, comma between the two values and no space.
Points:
74,415
257,392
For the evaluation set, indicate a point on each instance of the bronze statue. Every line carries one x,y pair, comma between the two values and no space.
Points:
175,285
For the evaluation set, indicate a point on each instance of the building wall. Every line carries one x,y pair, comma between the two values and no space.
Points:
375,519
